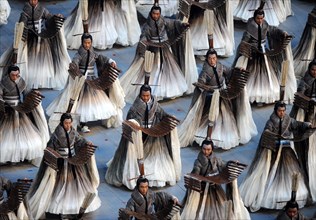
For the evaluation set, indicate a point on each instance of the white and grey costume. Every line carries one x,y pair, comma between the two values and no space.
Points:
22,136
110,22
63,192
92,104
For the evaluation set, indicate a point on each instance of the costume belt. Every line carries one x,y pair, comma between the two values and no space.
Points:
90,70
64,152
39,25
11,100
284,143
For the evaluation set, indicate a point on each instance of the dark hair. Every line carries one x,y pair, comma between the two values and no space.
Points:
258,12
13,68
86,36
207,142
155,7
312,63
279,104
141,180
291,205
65,116
144,88
210,52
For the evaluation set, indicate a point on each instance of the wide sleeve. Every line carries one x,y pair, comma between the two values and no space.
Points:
46,14
162,200
79,140
269,126
130,205
197,167
76,59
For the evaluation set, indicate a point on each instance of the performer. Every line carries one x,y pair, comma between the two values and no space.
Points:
212,27
62,191
264,64
305,50
274,164
44,46
23,128
306,91
211,202
145,202
111,22
232,125
171,79
5,10
92,103
158,154
290,211
276,13
168,7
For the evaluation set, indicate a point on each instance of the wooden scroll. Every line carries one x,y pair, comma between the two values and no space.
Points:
17,194
53,159
236,84
31,101
269,139
167,124
106,78
197,182
53,26
302,101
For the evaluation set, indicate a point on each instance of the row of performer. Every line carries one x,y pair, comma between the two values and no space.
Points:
164,66
67,180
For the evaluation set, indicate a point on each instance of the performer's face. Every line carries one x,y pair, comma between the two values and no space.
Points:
143,188
207,150
87,44
145,96
67,123
155,14
281,112
292,212
33,3
14,75
312,71
212,59
259,19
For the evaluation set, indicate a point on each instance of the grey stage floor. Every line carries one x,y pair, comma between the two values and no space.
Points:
107,139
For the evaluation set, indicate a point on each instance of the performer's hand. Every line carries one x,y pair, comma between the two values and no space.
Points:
175,200
89,143
113,64
186,25
60,15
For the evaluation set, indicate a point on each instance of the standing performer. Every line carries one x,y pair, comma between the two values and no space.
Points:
110,22
304,109
212,26
264,64
98,98
67,179
274,164
44,51
171,79
156,152
232,121
277,11
23,126
5,10
168,7
146,203
211,202
306,48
